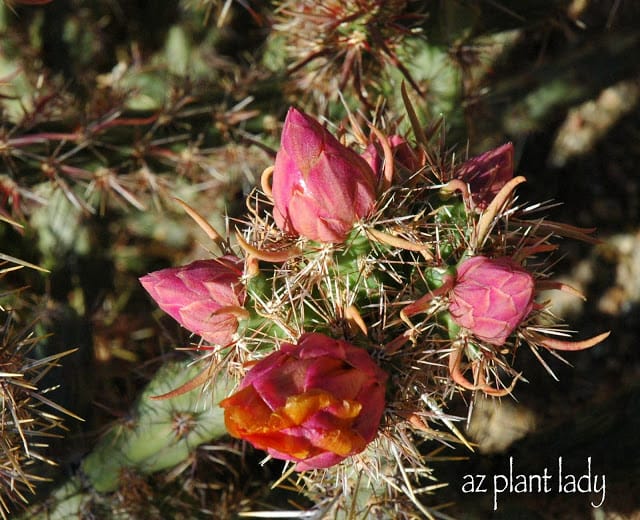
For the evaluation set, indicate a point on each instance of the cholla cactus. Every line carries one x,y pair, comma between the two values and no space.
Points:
28,418
337,44
157,435
425,282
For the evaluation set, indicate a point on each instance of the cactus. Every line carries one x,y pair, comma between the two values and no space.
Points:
434,277
371,237
159,434
336,44
29,418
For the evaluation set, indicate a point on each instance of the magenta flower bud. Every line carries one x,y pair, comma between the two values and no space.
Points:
205,297
314,403
403,154
487,173
320,187
491,297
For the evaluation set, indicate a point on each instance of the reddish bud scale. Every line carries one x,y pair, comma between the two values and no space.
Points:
403,154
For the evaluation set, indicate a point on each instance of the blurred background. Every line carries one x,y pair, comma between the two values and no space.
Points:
110,108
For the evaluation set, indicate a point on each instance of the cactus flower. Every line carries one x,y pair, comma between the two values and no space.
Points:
314,403
491,297
487,173
205,296
320,187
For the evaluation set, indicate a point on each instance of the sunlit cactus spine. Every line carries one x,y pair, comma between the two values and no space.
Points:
29,419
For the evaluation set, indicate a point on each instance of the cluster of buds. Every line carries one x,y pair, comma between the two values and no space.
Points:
368,287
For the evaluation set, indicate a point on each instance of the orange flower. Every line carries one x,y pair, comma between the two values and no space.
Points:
315,403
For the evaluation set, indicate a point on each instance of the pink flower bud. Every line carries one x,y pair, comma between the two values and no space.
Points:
320,187
403,154
315,403
487,173
202,296
491,297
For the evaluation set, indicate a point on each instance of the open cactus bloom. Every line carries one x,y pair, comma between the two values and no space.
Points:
320,187
205,296
314,403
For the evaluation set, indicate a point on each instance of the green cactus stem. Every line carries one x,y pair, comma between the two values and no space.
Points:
163,429
162,432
